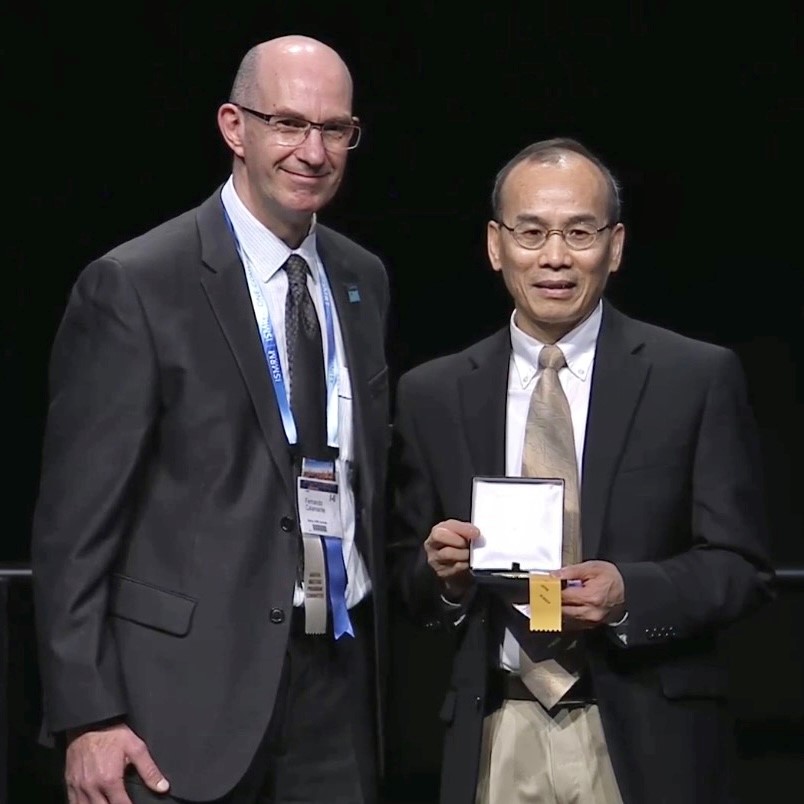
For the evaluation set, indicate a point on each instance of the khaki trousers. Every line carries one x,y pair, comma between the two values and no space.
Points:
531,757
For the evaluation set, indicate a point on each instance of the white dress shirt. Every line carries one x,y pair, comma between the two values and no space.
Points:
578,347
265,254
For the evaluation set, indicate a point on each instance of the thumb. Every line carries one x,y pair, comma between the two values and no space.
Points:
149,773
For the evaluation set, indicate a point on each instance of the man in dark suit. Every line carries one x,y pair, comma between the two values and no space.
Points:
212,383
672,539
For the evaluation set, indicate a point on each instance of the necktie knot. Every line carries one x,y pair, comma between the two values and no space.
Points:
296,268
552,357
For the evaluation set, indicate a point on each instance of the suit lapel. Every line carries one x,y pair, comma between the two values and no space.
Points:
224,282
618,378
483,391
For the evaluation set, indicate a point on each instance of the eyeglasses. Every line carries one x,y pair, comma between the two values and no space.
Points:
577,236
293,131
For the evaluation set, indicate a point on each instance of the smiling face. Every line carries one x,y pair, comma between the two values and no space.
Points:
283,186
554,288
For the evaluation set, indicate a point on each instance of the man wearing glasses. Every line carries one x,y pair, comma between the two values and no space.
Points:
207,540
662,542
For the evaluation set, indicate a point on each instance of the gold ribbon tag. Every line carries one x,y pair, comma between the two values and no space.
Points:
545,602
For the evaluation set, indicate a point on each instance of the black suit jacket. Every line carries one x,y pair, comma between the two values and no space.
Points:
670,493
165,536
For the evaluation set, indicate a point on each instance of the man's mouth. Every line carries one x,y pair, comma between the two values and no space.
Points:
555,288
306,176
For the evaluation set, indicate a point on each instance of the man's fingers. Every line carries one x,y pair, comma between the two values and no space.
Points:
440,538
589,616
450,570
447,549
96,761
116,794
453,532
452,555
576,596
93,796
580,572
575,618
147,769
450,559
76,796
87,784
465,529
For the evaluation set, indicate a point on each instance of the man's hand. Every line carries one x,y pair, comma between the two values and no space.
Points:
598,600
96,761
447,549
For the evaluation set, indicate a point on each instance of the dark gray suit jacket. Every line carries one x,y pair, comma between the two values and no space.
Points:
670,493
165,535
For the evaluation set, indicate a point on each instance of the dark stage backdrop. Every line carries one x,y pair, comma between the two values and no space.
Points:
110,128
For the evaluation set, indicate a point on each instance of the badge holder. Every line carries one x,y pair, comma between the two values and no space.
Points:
319,519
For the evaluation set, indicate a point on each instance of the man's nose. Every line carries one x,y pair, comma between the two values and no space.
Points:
554,253
312,150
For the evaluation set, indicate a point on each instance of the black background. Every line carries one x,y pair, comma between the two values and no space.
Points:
110,129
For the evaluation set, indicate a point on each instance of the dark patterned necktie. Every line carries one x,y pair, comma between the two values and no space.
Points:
308,393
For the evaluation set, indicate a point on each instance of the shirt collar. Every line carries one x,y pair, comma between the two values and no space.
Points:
578,347
265,251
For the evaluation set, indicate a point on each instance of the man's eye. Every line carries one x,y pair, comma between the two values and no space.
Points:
290,123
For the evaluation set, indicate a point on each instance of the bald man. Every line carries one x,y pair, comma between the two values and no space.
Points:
206,548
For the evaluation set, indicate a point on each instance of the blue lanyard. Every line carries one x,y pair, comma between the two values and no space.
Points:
271,350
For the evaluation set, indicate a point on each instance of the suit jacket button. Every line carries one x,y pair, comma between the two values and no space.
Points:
277,616
287,523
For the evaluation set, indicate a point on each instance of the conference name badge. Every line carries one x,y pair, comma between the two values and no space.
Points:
319,511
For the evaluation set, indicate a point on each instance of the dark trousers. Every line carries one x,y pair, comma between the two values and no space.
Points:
320,746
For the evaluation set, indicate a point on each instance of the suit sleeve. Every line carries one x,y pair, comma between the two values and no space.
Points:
415,510
725,574
103,402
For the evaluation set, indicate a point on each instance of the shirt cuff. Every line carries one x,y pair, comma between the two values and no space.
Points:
457,610
450,603
619,622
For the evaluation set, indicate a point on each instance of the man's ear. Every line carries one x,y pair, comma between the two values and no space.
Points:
231,123
493,245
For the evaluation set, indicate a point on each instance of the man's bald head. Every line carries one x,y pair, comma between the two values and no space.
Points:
289,86
270,61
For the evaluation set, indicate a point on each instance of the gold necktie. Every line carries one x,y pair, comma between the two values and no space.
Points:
549,451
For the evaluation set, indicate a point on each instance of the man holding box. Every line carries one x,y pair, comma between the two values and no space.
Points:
663,539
